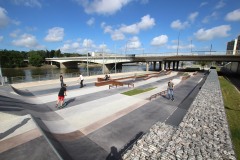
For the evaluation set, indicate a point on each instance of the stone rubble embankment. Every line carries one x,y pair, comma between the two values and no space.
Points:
203,133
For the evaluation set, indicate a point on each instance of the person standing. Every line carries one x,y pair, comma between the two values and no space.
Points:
61,79
61,94
81,80
170,90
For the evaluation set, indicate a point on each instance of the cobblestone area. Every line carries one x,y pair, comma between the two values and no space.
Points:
203,133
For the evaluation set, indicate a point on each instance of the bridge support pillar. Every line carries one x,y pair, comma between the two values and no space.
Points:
147,66
173,65
154,66
165,65
169,63
177,64
160,66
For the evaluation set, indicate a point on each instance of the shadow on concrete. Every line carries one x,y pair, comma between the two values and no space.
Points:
11,130
70,101
114,154
22,92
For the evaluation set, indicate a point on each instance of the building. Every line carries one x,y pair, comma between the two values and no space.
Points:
233,47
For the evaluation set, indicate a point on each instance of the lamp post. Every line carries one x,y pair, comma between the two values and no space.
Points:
87,60
178,42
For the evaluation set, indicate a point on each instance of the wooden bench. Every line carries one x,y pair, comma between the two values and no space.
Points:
195,73
102,83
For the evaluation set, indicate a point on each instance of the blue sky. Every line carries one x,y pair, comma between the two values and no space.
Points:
122,26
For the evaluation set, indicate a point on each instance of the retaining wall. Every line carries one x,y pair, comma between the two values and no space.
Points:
203,133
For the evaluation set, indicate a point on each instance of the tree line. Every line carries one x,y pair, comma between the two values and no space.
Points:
12,58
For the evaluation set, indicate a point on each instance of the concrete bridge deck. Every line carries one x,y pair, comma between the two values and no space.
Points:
95,120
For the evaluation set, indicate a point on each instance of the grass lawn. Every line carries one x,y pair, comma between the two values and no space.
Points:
232,107
137,91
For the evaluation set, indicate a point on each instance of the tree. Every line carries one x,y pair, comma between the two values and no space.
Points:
35,58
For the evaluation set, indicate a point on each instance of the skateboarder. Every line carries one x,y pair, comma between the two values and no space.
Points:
81,80
62,93
170,90
61,79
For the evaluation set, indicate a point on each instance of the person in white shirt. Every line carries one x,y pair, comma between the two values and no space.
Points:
81,80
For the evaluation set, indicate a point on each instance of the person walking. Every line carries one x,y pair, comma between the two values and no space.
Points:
81,80
61,94
170,90
61,79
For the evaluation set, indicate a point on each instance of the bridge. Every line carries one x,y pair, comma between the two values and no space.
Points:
110,62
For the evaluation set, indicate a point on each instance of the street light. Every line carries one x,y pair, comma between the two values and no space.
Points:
178,42
87,59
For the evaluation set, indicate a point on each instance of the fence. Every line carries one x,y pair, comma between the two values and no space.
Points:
21,79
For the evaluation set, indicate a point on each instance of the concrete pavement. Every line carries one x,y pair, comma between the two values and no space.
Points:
98,120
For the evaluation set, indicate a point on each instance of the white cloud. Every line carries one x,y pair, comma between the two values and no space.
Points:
193,16
4,20
55,34
15,33
90,21
177,24
220,4
216,32
203,4
146,22
28,41
144,1
88,43
118,34
131,29
233,16
206,19
133,43
104,7
28,3
1,38
74,47
181,47
160,40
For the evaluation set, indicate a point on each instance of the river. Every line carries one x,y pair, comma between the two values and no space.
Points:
18,75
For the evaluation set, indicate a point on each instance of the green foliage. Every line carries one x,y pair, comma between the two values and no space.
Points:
137,91
36,58
232,108
11,59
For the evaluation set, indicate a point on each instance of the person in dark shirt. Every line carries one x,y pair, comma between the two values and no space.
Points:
62,93
61,79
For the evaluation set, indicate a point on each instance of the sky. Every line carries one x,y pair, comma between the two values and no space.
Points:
119,26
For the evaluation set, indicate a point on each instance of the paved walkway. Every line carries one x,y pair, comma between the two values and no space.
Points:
96,119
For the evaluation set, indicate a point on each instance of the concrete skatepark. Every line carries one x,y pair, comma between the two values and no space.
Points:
98,122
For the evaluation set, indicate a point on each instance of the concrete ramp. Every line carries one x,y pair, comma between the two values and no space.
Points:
20,137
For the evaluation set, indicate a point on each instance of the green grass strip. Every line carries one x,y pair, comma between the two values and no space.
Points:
137,91
232,107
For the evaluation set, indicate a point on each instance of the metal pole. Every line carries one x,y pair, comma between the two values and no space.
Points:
191,47
210,49
87,60
115,60
103,62
178,42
